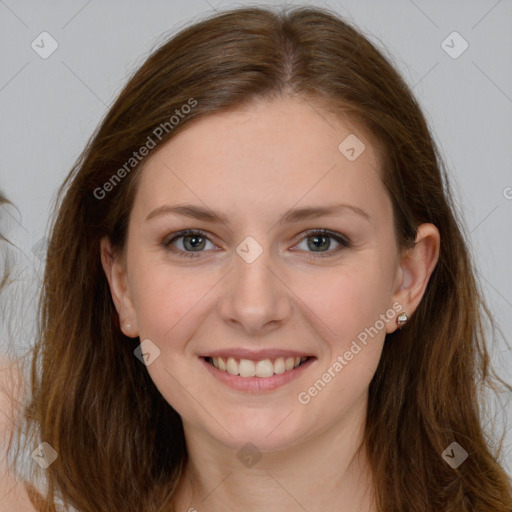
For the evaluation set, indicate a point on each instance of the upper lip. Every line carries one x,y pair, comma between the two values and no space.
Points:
256,355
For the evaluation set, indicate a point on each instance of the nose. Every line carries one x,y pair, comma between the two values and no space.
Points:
255,298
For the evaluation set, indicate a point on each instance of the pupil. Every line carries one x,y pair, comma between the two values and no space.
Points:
317,238
318,241
194,241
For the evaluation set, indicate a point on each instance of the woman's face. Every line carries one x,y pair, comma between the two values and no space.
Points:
254,288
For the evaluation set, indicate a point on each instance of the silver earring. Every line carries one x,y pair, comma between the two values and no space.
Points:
401,319
127,326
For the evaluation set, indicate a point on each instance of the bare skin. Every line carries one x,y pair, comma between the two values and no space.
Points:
13,495
253,165
237,163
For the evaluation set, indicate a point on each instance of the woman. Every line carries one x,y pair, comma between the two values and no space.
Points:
196,350
13,496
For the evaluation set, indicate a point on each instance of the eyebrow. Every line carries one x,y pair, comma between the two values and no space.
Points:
291,216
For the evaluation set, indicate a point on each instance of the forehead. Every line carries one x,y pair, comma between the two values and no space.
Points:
269,153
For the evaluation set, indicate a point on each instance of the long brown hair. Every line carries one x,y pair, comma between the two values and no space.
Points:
120,445
4,269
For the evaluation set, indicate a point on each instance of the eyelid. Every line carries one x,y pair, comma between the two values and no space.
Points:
341,239
169,240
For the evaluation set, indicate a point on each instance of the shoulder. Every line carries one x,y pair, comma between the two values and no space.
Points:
13,494
10,375
11,393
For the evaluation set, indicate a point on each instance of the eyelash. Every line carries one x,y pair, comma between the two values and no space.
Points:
343,241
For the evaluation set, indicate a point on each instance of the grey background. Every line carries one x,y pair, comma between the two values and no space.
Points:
50,107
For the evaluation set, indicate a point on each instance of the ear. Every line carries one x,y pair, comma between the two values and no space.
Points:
415,269
115,270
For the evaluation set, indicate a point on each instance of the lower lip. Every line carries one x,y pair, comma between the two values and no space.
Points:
257,384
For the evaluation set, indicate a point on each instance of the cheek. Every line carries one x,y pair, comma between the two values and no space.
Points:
166,300
347,301
348,308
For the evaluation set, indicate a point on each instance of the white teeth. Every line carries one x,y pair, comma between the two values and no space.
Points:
247,368
279,365
232,366
263,368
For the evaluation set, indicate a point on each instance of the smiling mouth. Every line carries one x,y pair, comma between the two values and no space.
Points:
263,368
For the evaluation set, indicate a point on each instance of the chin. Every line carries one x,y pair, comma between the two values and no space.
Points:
265,430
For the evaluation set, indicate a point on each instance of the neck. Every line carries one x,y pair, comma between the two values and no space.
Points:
328,471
